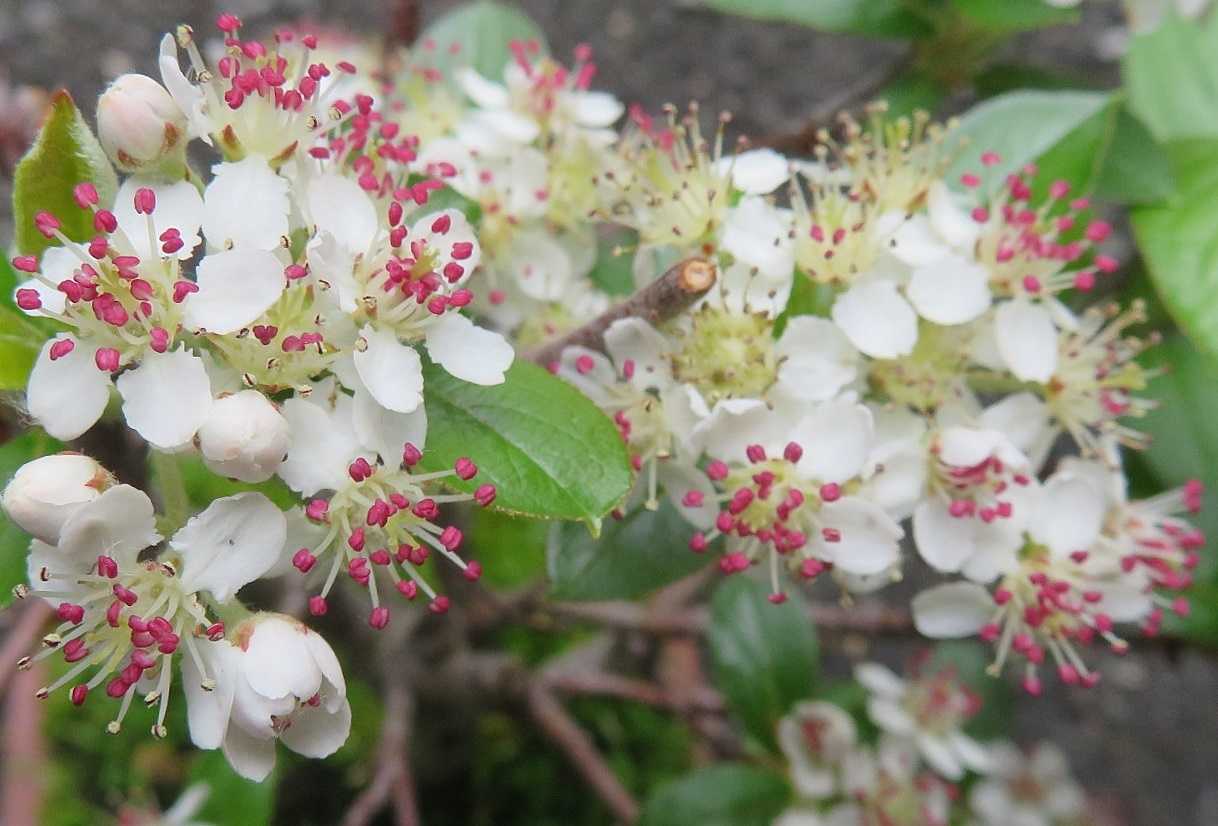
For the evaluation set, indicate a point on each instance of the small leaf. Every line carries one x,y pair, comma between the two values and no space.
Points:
633,556
477,35
1171,76
549,451
723,795
765,655
881,18
64,154
1179,241
1010,16
1020,127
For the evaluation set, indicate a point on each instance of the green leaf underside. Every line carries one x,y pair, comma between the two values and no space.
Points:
635,555
1171,76
722,795
881,18
64,154
481,33
549,451
765,656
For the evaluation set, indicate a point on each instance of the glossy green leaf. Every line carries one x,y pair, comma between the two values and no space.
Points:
549,451
14,542
722,795
20,341
512,550
1137,169
1179,242
1021,127
765,655
477,35
1010,16
64,154
883,18
633,556
1171,76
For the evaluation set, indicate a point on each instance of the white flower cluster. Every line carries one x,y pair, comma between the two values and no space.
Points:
910,775
939,367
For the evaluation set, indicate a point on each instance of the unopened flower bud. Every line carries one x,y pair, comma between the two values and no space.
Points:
244,437
140,126
44,493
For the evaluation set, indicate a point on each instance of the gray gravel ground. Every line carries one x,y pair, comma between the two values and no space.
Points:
1145,741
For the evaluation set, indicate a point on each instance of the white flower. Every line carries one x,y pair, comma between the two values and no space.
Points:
1033,789
928,712
815,737
45,493
139,125
278,680
246,206
244,437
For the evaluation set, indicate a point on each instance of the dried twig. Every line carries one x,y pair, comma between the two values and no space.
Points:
664,298
600,684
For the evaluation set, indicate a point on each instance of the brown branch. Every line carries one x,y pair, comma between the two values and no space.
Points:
32,618
679,287
599,684
566,734
23,751
877,619
803,140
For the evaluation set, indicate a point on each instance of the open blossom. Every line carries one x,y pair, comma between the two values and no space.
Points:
275,680
1028,789
928,710
816,738
124,618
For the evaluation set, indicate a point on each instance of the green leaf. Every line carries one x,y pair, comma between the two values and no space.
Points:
808,297
477,35
64,154
1137,169
20,342
231,798
633,556
969,660
1010,16
14,542
911,93
1171,76
512,550
721,795
999,78
445,198
881,18
765,655
1179,241
549,451
615,273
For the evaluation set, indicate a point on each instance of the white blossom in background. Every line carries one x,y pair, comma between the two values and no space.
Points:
815,738
1033,788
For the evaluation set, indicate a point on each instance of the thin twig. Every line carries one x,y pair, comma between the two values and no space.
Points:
599,684
680,286
804,139
628,616
566,734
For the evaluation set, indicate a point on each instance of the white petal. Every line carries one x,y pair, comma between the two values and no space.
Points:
391,370
249,757
597,109
953,224
952,290
207,712
186,95
316,733
235,541
914,241
245,205
178,206
869,536
940,755
880,680
235,288
386,431
837,437
633,339
971,753
952,610
1069,516
167,398
1026,339
743,288
541,265
53,301
818,359
120,523
278,662
325,659
46,562
734,424
486,93
1023,417
756,172
877,320
758,234
302,532
890,716
338,206
679,478
469,352
943,540
68,395
323,445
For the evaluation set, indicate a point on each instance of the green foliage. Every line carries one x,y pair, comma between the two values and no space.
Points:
20,341
1137,169
807,298
634,555
512,550
445,198
550,452
615,273
765,656
881,18
969,659
1171,75
231,798
1177,239
722,795
477,35
1010,16
65,154
911,93
14,542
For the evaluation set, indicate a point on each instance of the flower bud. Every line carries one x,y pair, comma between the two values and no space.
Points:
44,493
244,437
140,126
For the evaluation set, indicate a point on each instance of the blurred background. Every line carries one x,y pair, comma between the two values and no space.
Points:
1145,742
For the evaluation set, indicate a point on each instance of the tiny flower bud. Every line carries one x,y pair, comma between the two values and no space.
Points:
44,493
244,437
140,126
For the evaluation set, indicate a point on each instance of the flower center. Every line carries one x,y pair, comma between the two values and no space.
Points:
727,355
